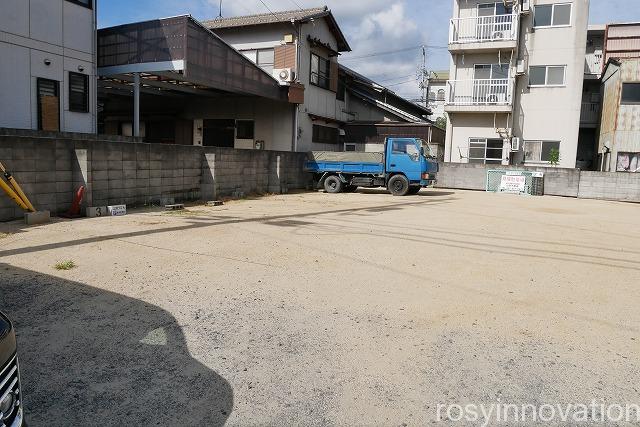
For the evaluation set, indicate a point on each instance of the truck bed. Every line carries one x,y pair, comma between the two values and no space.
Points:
346,162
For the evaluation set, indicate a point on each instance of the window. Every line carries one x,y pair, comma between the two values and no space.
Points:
491,9
405,146
485,151
628,162
245,129
78,92
320,72
441,95
630,93
552,15
539,151
432,96
85,3
349,146
48,104
263,58
547,75
342,90
325,134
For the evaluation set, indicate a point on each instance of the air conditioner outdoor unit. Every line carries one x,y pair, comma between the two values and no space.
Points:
515,144
284,75
521,69
526,6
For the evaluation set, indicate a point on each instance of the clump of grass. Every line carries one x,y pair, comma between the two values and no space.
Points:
4,235
65,265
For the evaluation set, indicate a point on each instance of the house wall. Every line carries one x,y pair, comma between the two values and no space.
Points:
318,101
30,32
620,128
437,107
273,120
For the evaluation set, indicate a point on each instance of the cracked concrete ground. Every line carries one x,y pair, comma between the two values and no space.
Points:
318,309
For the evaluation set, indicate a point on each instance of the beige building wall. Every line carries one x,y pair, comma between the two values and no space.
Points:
538,113
45,39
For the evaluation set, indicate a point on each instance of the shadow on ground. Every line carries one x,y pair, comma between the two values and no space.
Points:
422,193
95,358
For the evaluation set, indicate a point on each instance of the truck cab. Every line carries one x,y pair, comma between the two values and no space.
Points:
11,414
412,158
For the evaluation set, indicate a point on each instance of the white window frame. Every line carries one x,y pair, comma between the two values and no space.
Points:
541,142
486,144
546,75
553,14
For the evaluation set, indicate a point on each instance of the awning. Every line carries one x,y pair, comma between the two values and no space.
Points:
179,55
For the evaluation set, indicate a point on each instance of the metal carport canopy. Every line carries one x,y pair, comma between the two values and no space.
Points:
178,54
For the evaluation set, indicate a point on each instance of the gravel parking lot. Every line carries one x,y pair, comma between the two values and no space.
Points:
317,309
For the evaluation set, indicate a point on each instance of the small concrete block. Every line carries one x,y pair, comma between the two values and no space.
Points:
35,218
174,207
215,203
97,211
117,210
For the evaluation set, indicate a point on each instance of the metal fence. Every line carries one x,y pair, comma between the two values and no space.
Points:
533,182
484,28
480,92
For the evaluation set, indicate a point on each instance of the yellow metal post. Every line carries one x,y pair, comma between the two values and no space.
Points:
17,189
12,195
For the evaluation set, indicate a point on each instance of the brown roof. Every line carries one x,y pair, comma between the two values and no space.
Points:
300,15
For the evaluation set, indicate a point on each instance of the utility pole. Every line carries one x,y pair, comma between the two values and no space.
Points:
220,14
424,78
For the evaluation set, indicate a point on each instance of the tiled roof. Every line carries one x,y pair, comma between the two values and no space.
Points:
300,15
267,18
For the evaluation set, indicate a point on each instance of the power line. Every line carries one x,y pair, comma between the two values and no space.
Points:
401,83
270,11
389,52
296,3
393,78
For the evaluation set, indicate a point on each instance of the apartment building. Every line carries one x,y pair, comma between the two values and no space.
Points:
48,57
516,81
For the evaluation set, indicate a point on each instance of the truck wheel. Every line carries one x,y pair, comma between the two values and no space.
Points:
398,185
413,190
332,184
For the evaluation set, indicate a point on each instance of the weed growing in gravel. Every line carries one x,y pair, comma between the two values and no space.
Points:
65,265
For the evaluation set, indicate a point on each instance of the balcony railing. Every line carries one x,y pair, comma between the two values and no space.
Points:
590,113
593,63
484,29
480,92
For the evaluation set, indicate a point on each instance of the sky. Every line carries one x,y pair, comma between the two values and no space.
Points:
371,26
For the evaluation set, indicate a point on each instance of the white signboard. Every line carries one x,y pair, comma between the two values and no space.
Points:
513,184
117,210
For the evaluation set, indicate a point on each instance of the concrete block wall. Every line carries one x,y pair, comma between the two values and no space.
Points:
610,186
51,167
468,176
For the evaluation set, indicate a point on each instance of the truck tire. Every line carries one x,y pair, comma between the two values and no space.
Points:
398,185
413,190
332,184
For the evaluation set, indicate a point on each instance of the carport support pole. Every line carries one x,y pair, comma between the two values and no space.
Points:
136,104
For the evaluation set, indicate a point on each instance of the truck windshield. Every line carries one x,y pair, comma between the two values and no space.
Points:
427,150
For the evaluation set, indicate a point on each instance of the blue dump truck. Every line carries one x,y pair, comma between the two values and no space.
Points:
405,166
